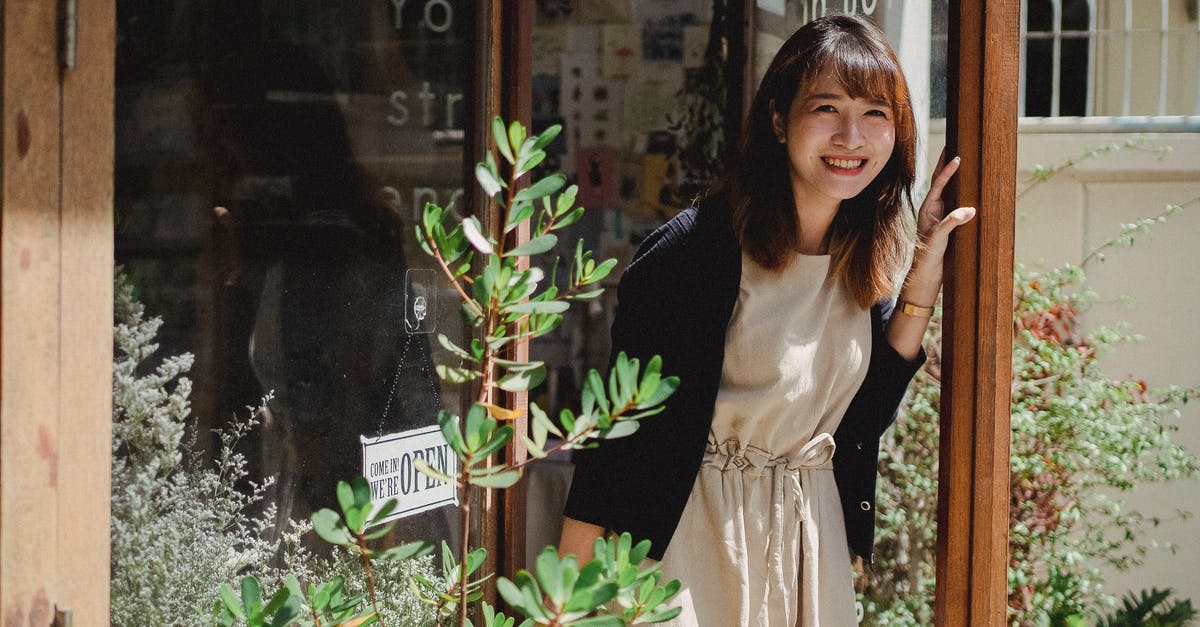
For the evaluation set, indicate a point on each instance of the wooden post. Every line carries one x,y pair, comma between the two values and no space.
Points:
85,406
55,312
516,104
505,89
973,497
29,304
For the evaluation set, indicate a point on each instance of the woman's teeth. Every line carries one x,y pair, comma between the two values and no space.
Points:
848,164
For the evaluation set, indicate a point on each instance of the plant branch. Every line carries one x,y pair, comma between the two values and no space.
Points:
464,532
1041,173
362,551
437,255
1128,230
571,441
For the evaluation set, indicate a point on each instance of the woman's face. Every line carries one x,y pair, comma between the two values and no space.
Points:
836,144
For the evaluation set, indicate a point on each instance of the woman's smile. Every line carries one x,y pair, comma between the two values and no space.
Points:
845,165
836,143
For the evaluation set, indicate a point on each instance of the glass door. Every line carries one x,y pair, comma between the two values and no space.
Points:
272,159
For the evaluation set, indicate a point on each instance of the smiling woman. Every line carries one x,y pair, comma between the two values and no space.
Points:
771,299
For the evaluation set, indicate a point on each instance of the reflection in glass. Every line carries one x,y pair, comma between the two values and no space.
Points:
270,162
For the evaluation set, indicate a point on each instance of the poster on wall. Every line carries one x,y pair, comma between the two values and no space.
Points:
590,104
622,50
597,176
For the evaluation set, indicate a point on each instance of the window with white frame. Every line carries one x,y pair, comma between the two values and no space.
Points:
1110,58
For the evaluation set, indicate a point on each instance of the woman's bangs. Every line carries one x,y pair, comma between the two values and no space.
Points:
862,73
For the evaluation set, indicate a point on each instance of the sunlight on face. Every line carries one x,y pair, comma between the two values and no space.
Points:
836,144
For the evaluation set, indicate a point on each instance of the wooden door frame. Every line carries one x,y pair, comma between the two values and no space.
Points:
973,481
56,259
977,339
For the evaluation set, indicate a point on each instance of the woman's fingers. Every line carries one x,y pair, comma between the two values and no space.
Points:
941,177
940,237
958,217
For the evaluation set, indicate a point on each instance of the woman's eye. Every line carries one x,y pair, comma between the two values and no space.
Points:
826,108
878,112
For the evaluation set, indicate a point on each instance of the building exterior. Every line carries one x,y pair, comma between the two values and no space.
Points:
257,170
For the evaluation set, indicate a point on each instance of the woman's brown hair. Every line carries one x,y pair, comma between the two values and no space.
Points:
872,233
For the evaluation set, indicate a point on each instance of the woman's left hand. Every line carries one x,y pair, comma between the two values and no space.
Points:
933,224
906,330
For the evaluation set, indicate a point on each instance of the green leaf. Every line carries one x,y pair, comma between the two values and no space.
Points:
569,219
601,271
500,437
478,427
529,161
487,180
473,231
593,383
501,139
522,381
516,134
535,448
566,201
381,531
538,307
407,551
543,187
544,138
498,480
355,500
251,594
512,595
520,212
535,246
451,432
567,419
328,524
456,374
423,466
666,388
607,620
455,349
232,604
277,601
621,428
626,380
542,421
586,295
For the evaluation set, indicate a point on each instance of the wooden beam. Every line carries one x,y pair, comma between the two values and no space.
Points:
30,341
85,406
973,488
55,314
516,88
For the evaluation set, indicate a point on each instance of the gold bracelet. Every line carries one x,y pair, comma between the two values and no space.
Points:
916,311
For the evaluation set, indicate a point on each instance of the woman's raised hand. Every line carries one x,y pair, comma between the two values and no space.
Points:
906,330
934,225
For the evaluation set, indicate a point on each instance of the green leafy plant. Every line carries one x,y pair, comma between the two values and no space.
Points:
1150,609
1080,438
182,525
507,300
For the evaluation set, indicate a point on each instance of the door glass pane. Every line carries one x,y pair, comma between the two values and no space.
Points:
271,162
639,88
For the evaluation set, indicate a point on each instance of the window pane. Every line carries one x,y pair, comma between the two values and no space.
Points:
639,88
272,160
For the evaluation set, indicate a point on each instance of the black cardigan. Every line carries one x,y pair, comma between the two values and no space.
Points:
676,299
